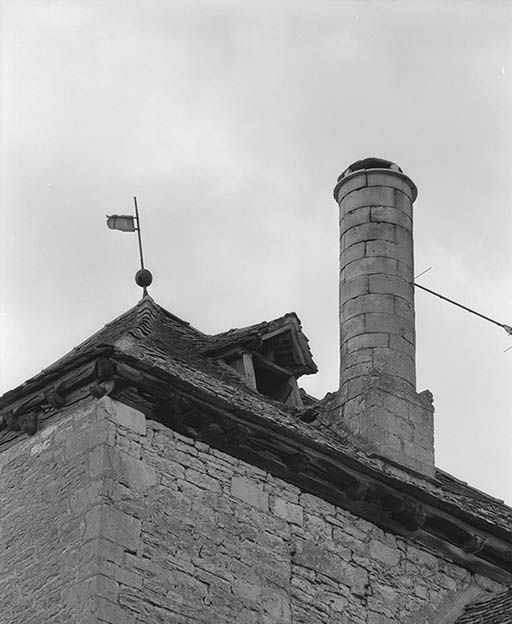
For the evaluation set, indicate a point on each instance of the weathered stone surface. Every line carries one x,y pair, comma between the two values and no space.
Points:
127,417
385,554
212,539
249,493
121,574
135,474
379,196
353,288
112,524
44,496
367,232
390,214
405,271
392,285
288,511
356,217
404,308
100,460
365,341
357,357
354,252
86,497
107,588
369,266
312,556
203,481
357,181
391,324
376,178
353,327
387,249
387,361
112,613
369,303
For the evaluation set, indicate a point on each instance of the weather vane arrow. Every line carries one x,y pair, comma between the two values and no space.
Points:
131,223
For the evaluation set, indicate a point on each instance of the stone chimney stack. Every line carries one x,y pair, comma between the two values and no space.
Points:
377,400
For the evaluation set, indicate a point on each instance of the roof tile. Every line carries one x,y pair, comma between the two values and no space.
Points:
495,609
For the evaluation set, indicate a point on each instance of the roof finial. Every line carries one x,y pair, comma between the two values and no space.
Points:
126,223
143,277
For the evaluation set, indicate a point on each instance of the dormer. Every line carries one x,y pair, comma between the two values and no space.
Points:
269,357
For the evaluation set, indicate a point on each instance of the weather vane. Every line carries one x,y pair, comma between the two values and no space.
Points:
131,223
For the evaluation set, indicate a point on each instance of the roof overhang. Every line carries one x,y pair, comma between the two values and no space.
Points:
279,441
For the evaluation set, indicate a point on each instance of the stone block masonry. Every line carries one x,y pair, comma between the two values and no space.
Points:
376,245
48,494
377,400
116,520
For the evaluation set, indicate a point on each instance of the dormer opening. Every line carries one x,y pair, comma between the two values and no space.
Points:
275,382
269,357
265,377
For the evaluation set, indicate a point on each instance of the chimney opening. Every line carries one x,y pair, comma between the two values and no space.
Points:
370,163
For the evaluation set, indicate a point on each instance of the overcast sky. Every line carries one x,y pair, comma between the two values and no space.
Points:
231,121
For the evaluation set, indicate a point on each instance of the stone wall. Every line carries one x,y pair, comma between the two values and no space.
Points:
45,493
114,519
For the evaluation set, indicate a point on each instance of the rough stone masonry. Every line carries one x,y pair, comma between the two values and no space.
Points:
112,518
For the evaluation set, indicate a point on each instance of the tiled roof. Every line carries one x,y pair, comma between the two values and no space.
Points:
473,501
149,328
494,610
148,333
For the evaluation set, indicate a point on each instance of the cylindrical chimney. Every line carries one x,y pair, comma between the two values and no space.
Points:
376,272
377,401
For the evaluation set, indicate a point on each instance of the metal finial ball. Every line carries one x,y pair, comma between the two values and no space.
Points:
143,278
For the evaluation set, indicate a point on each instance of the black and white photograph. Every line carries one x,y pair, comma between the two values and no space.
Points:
256,312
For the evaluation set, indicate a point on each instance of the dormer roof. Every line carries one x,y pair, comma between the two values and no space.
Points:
283,337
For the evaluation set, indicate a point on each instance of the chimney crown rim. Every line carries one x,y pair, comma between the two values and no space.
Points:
348,175
371,162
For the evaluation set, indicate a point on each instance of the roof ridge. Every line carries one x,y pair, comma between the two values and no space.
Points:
256,326
145,318
174,317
